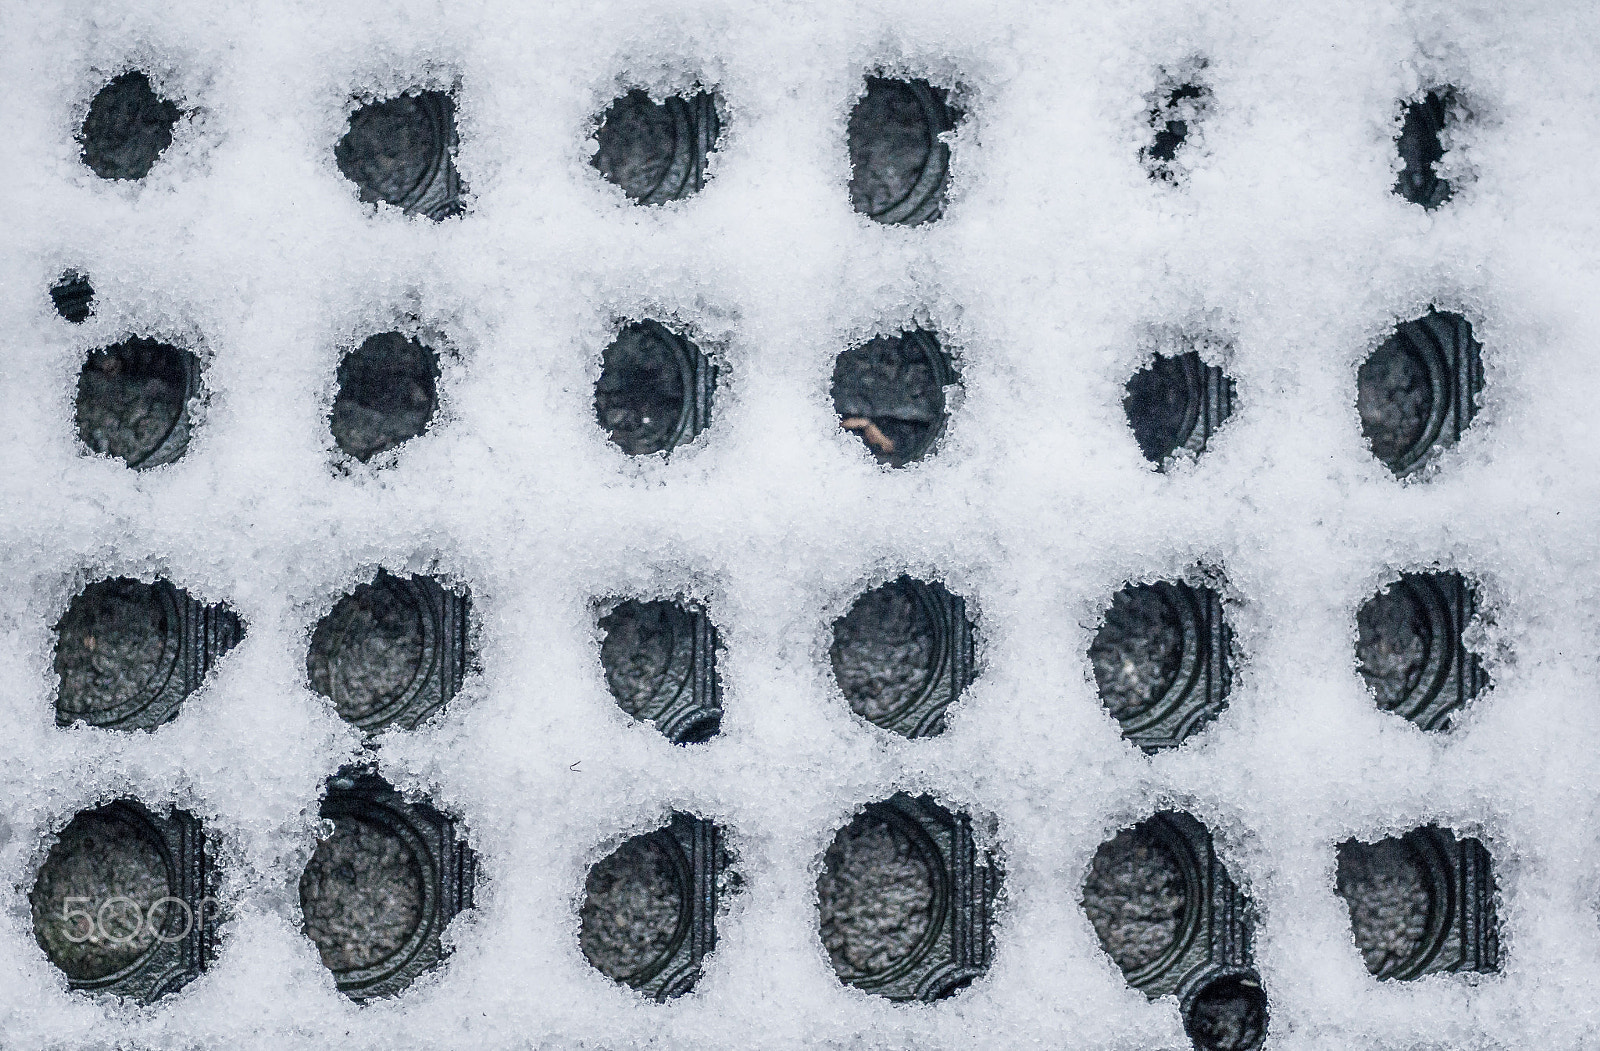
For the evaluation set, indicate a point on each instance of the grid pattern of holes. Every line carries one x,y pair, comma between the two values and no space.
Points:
1304,542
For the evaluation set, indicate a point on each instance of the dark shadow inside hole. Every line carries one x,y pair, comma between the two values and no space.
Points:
1166,405
1175,111
657,151
895,655
399,151
117,652
879,898
654,390
1409,647
1395,639
659,661
1421,148
133,401
73,297
1138,652
388,391
634,909
1417,392
1137,897
1386,887
889,391
899,165
1229,1014
127,128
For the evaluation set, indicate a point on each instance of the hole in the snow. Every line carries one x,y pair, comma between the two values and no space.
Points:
1409,647
1176,109
1421,148
899,163
127,128
657,151
660,664
1176,402
890,392
902,654
1417,393
1140,898
1229,1014
133,401
401,151
388,392
655,389
73,297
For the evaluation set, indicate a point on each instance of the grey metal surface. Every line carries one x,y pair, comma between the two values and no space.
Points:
655,389
1422,123
401,151
1417,393
902,654
899,165
133,401
657,151
1410,652
73,297
127,128
659,659
388,391
1176,402
895,383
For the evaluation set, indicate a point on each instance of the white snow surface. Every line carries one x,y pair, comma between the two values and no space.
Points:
1056,258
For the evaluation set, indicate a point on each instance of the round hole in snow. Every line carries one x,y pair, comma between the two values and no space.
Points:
1228,1014
899,165
636,908
127,128
657,151
889,391
133,401
654,389
388,393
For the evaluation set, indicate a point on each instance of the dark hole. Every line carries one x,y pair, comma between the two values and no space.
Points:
1408,389
659,660
127,128
1137,897
1396,398
1230,1014
889,391
654,390
399,151
133,401
388,391
1422,124
899,167
1408,636
1387,888
1171,117
657,151
73,297
891,651
878,897
635,906
1157,669
1166,404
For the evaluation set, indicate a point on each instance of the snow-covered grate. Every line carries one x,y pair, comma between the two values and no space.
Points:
884,525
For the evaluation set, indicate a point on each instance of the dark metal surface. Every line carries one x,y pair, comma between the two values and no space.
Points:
655,389
392,652
401,151
127,128
904,902
1228,1014
1422,124
903,654
1410,652
1176,402
1174,110
657,151
73,297
899,166
128,653
1417,393
122,903
660,661
1161,661
388,391
381,888
648,917
895,383
133,401
1420,903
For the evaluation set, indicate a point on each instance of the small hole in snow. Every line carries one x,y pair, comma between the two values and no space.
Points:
127,128
388,391
889,391
657,151
1421,148
1175,113
401,151
1229,1014
899,165
1176,402
655,389
902,654
660,664
1417,393
73,297
133,401
1409,648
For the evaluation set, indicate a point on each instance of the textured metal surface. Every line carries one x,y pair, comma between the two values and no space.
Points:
1422,124
127,128
388,391
392,652
1161,661
899,165
902,654
401,151
122,902
660,664
133,401
73,297
1228,1014
897,384
1410,651
657,151
1420,903
648,917
655,389
1417,393
904,903
1176,402
381,887
128,653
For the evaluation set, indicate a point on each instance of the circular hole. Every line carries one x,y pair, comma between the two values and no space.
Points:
395,149
387,395
73,297
132,401
647,654
363,895
1421,148
1395,398
889,391
368,653
885,651
1385,886
108,864
1229,1014
116,647
127,128
643,398
656,151
898,163
1163,404
1138,653
1136,897
634,910
877,898
1394,639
